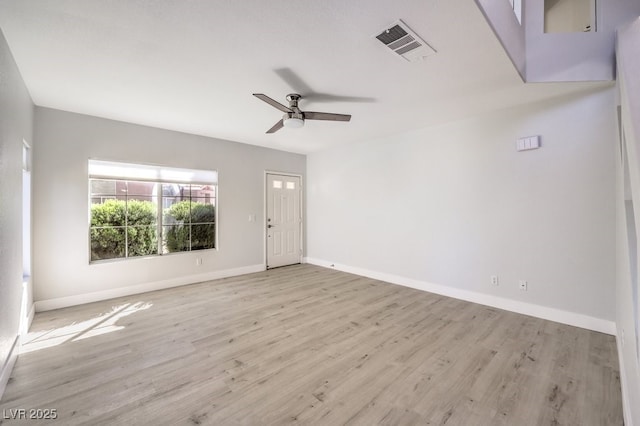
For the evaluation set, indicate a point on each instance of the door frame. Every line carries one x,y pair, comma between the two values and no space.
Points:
264,213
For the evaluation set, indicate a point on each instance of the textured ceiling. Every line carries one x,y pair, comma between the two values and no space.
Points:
192,66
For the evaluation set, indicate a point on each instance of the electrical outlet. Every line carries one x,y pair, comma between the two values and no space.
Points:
523,285
622,337
198,261
494,280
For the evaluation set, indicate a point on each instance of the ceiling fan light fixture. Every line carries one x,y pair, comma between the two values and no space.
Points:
293,123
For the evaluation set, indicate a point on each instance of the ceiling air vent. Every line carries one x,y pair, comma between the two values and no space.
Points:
400,39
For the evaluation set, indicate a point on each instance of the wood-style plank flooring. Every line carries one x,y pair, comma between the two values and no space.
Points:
311,346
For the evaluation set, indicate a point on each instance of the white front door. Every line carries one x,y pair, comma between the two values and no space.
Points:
284,220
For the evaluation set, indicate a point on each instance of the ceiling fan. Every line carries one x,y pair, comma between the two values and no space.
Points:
293,116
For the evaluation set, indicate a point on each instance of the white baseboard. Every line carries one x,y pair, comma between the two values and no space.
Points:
7,368
80,299
539,311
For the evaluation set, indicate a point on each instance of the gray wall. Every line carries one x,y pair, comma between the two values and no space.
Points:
544,57
628,320
575,56
16,122
66,142
454,204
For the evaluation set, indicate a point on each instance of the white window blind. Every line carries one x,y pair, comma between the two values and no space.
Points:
125,171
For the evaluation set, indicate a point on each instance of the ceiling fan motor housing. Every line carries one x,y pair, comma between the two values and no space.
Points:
293,99
293,119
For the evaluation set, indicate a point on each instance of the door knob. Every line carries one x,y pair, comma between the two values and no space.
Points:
269,226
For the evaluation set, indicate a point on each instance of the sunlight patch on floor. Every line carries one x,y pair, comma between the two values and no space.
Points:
101,324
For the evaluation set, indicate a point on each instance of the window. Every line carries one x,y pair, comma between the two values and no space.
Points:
26,157
26,236
26,210
138,210
516,5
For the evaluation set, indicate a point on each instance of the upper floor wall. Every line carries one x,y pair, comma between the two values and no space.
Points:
541,56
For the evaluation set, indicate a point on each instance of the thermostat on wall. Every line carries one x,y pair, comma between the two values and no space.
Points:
530,142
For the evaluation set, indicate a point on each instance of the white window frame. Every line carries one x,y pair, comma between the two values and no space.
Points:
158,175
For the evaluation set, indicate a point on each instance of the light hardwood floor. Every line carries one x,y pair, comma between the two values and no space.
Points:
308,345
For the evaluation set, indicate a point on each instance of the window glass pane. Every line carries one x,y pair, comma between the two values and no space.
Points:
140,189
141,211
109,212
102,190
202,191
208,192
177,216
186,191
202,211
291,185
107,243
180,190
142,214
108,236
277,184
176,238
176,211
170,189
142,240
203,236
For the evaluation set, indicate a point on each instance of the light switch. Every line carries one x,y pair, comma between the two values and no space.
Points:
535,142
530,142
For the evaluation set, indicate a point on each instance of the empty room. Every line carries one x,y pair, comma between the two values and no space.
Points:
319,213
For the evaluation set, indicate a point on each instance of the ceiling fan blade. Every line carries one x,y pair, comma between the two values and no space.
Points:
276,127
271,102
309,115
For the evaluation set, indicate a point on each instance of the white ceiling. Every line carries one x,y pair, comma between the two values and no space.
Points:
192,66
